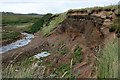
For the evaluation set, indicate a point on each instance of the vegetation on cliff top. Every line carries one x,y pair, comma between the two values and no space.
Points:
46,30
111,7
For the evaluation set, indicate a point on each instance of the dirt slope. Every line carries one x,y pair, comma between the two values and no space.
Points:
88,31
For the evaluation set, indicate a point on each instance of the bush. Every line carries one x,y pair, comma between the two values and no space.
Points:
115,27
39,24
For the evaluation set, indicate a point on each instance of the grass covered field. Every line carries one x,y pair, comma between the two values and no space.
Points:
13,19
10,35
13,24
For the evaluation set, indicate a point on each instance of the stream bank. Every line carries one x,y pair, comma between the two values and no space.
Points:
18,43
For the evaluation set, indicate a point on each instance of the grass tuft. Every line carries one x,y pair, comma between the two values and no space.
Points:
108,61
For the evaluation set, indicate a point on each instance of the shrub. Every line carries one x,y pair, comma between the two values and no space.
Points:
115,27
39,24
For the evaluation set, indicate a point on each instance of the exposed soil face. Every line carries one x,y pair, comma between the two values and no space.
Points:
83,33
87,32
88,28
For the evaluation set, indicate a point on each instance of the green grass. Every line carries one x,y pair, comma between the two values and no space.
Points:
46,30
65,71
13,19
77,54
18,22
63,51
93,8
25,69
18,27
63,68
13,32
108,61
29,67
39,24
23,27
115,27
10,35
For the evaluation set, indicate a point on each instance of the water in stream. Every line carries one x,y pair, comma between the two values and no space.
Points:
17,44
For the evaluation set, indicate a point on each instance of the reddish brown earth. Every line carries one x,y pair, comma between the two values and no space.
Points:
89,34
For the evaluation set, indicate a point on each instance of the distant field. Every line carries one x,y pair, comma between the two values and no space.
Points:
18,27
13,24
13,19
10,35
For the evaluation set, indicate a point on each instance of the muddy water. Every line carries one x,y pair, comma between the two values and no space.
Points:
17,44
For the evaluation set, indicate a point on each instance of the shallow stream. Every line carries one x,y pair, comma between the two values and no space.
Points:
18,43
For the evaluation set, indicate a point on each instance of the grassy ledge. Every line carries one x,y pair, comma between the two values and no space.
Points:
53,24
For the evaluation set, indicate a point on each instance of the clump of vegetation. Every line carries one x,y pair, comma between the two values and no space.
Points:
115,26
53,24
63,51
65,71
78,54
10,35
108,61
23,69
47,64
39,24
89,10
